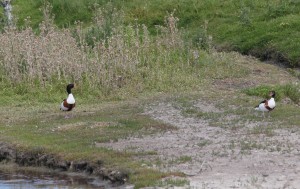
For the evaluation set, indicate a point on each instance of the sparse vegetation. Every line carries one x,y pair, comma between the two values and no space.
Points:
171,182
267,131
182,159
291,91
117,58
204,142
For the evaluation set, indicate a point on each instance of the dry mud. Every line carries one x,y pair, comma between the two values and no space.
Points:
215,157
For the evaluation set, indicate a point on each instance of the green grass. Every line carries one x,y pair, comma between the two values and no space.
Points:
39,127
204,142
127,62
248,145
29,111
258,130
252,27
180,160
291,91
236,113
99,127
170,182
66,11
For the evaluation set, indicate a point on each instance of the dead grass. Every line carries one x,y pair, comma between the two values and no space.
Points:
219,129
228,110
226,121
127,62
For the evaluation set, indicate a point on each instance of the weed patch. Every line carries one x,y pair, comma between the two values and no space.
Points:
291,91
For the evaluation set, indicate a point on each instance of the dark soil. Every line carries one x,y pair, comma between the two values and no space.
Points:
38,158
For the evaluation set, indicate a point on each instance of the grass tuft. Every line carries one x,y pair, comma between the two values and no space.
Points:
289,90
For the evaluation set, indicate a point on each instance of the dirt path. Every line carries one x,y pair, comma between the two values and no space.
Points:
224,148
214,157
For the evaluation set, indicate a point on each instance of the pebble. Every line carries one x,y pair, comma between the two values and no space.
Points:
265,174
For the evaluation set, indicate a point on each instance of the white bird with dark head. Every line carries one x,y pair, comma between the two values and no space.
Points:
267,105
69,103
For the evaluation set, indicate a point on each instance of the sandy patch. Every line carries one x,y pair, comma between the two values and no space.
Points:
213,157
77,125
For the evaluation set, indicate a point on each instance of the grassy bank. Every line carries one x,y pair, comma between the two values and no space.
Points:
40,125
43,128
266,29
116,75
127,63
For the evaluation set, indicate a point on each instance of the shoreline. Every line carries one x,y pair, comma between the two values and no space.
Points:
36,161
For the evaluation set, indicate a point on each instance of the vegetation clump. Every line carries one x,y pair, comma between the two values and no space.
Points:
116,58
258,28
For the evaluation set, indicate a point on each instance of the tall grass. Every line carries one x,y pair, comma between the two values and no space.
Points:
126,58
110,59
252,27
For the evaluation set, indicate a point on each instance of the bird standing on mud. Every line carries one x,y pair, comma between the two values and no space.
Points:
69,103
267,105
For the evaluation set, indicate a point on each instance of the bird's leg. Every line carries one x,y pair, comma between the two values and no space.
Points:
69,115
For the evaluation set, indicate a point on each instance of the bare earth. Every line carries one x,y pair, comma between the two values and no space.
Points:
217,157
215,163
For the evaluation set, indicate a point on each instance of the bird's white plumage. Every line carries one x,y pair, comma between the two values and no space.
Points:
69,103
262,106
71,99
62,107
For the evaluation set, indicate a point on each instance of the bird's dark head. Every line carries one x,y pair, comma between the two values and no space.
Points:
69,87
272,94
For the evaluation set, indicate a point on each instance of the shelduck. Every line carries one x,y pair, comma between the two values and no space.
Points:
69,103
267,105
